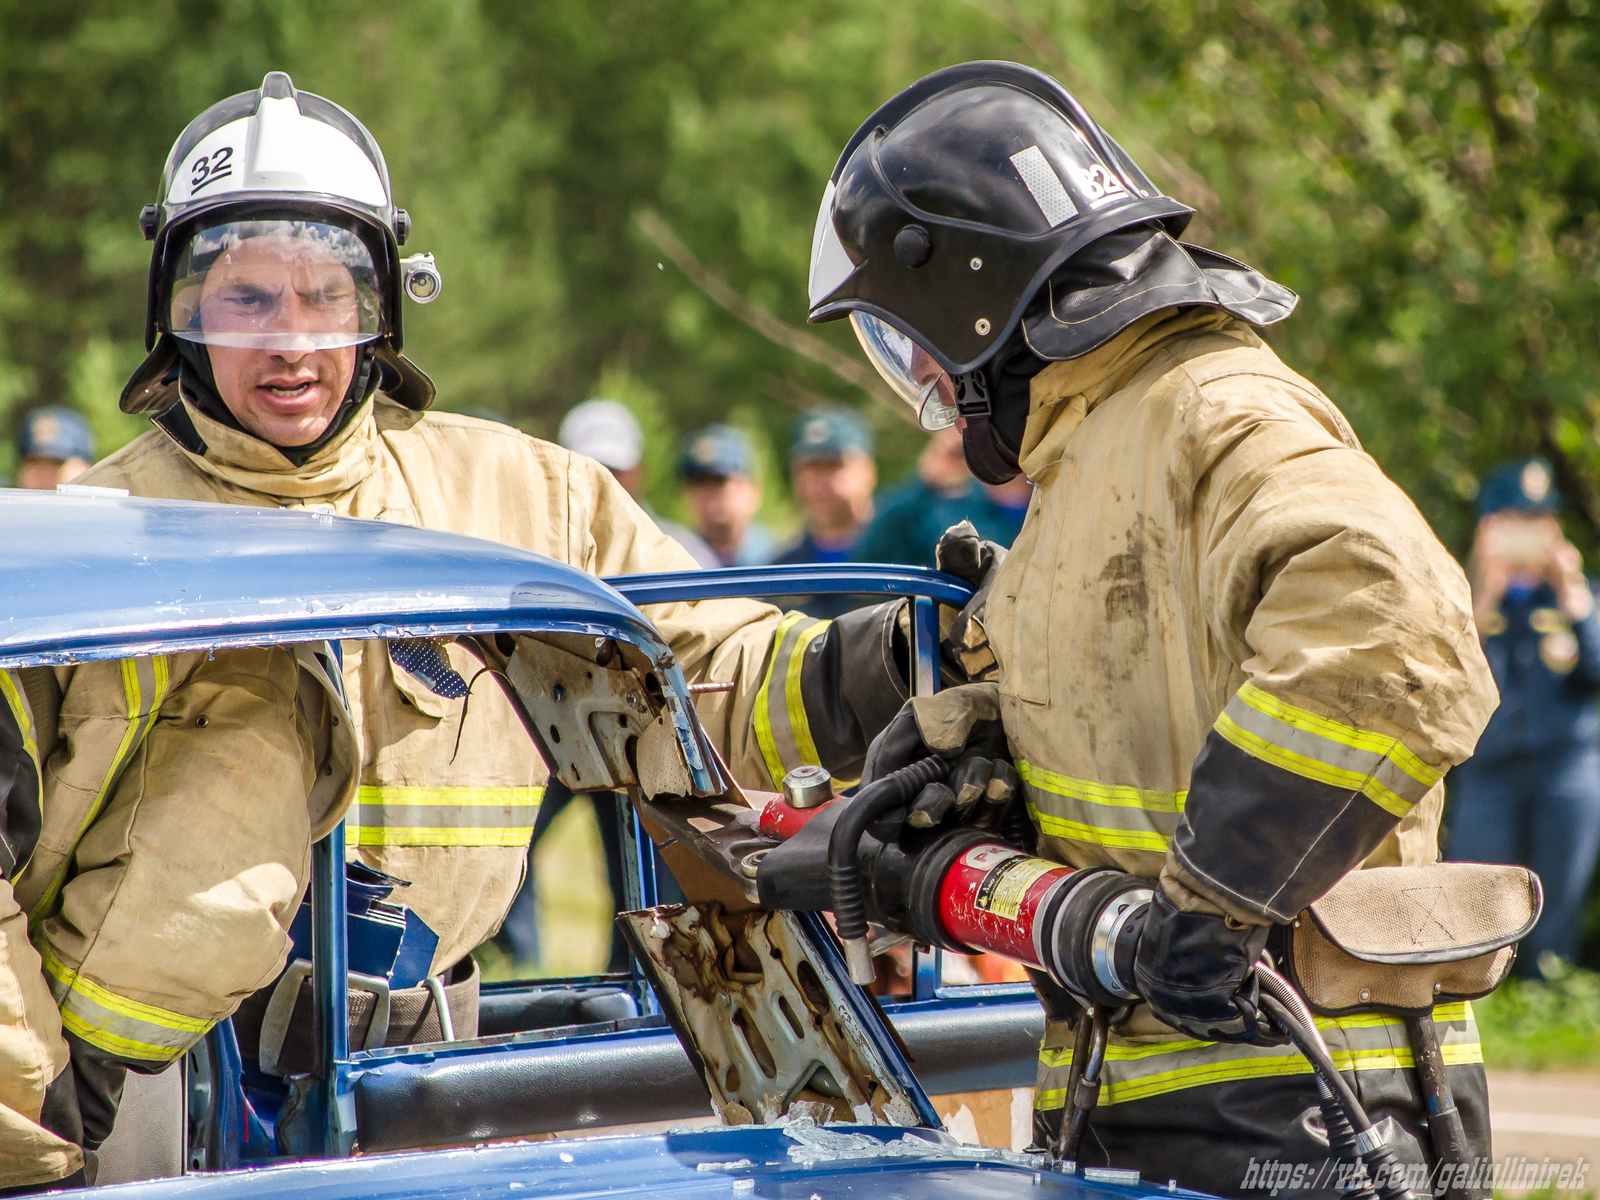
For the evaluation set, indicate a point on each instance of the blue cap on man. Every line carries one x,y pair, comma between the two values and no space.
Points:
717,452
55,432
1524,485
828,433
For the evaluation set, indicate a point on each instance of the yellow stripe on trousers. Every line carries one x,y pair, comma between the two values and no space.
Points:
119,1026
1364,1043
145,683
782,729
389,815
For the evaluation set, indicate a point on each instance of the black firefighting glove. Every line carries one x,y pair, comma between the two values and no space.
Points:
961,724
1196,971
964,653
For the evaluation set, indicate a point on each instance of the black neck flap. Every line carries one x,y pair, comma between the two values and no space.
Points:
1124,276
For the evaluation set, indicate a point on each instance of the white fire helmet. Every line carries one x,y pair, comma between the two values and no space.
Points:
276,229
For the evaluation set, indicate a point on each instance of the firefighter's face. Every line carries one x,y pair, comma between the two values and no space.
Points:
288,395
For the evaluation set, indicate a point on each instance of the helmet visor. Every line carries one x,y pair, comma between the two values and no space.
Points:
275,285
911,371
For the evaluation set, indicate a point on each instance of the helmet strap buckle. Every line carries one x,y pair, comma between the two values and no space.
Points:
972,395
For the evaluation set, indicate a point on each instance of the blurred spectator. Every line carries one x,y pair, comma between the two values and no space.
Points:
912,514
1530,794
718,470
607,432
833,473
55,446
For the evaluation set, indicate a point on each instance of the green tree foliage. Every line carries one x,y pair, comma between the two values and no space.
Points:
1425,175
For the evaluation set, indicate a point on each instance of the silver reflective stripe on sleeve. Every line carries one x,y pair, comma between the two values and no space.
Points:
1314,747
782,729
121,1027
389,815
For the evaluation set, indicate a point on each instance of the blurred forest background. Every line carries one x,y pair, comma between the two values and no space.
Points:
1426,176
621,193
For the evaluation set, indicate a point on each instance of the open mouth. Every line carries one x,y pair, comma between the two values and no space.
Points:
289,391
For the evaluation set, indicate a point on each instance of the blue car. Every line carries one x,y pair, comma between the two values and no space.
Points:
590,1060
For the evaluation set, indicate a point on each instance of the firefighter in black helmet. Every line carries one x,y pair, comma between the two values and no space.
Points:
1231,654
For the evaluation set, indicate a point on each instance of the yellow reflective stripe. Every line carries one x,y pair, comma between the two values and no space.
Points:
1101,793
120,1026
1225,1064
140,718
1443,1014
1315,747
1414,766
19,709
1120,839
1104,814
783,731
798,722
764,735
1291,714
1311,768
386,815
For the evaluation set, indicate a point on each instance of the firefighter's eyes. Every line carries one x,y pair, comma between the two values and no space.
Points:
251,300
264,300
334,296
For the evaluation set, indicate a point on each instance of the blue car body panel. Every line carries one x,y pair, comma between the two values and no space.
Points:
96,577
109,577
753,1161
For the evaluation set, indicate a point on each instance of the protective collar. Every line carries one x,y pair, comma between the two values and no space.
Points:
199,386
245,461
1127,275
1065,393
1108,286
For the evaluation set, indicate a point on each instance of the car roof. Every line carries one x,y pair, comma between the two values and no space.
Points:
98,576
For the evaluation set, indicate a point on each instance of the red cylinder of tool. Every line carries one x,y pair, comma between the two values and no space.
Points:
991,896
781,819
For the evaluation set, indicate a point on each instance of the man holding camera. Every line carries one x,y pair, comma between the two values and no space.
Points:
1531,793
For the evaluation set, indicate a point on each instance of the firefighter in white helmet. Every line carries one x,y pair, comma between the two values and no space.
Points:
1230,652
276,378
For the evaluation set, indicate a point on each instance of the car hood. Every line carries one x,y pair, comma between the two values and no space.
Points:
86,577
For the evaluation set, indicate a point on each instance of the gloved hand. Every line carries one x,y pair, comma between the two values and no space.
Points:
961,724
964,651
1195,972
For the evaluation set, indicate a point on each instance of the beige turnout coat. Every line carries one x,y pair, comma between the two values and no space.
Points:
456,822
1210,548
180,795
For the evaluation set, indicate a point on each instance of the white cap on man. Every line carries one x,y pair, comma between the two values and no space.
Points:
605,431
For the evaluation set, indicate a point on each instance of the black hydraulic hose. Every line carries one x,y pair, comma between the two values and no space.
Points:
1310,1046
1386,1177
871,802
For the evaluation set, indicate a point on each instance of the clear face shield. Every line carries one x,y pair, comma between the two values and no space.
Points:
909,369
906,367
275,285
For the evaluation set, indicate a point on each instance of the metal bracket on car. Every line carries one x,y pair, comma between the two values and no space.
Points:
766,1023
584,702
280,1009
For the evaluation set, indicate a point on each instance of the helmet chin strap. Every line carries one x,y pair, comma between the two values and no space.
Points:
993,401
986,452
